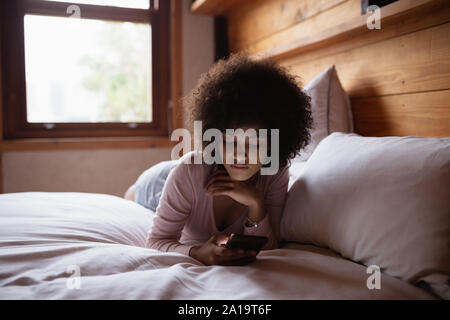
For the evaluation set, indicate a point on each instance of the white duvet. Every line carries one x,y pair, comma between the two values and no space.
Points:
92,246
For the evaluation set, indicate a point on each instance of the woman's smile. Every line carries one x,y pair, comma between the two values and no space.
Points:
239,166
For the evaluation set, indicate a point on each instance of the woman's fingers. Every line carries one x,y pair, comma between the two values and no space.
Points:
214,179
220,173
226,252
219,239
221,184
239,261
222,192
230,257
244,261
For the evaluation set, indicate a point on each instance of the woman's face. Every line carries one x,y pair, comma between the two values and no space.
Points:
241,166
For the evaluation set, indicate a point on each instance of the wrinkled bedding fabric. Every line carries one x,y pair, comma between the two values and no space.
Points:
68,245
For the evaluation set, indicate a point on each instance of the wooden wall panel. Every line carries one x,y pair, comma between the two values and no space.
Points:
255,20
215,7
420,114
335,19
345,11
1,172
434,14
398,78
414,62
176,66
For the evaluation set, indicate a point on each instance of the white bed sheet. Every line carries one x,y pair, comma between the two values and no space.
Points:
44,235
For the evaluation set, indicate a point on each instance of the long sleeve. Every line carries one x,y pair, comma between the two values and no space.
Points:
274,201
172,212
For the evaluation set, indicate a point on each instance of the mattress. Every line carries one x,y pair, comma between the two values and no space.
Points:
70,245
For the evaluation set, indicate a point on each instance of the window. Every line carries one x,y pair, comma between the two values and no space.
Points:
86,68
379,3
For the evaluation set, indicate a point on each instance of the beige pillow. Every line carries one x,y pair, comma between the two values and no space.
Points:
331,109
378,201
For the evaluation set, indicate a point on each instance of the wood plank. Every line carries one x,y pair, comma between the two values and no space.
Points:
1,172
215,7
326,20
1,127
256,20
414,62
88,11
85,143
436,13
424,114
341,19
1,99
176,65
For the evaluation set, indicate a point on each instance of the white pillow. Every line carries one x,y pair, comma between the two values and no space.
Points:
77,217
331,109
379,201
295,171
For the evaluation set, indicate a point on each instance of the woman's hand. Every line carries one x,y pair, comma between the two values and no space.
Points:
213,252
220,183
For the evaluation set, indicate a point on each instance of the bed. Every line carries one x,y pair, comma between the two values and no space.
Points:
365,218
49,241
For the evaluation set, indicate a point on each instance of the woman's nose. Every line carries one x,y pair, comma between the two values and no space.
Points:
241,153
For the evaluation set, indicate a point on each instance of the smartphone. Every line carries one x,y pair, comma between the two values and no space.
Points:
246,242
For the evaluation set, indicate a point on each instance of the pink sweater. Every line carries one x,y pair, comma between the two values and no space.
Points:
185,218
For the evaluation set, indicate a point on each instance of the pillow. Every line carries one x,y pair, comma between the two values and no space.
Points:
378,201
295,171
150,183
331,109
49,219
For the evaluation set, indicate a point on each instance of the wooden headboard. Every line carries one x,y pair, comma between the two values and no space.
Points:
398,77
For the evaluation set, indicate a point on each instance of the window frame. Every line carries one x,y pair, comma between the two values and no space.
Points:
15,125
380,3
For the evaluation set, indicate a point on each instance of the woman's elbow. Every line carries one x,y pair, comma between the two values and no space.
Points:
129,194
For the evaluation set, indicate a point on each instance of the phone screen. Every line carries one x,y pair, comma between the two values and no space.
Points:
246,242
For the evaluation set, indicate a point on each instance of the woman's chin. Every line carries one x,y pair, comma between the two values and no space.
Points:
240,174
240,177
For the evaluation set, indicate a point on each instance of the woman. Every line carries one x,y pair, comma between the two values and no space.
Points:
201,204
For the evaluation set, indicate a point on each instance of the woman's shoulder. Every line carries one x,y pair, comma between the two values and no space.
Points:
280,177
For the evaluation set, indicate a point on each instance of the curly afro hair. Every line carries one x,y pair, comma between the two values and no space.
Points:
242,91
